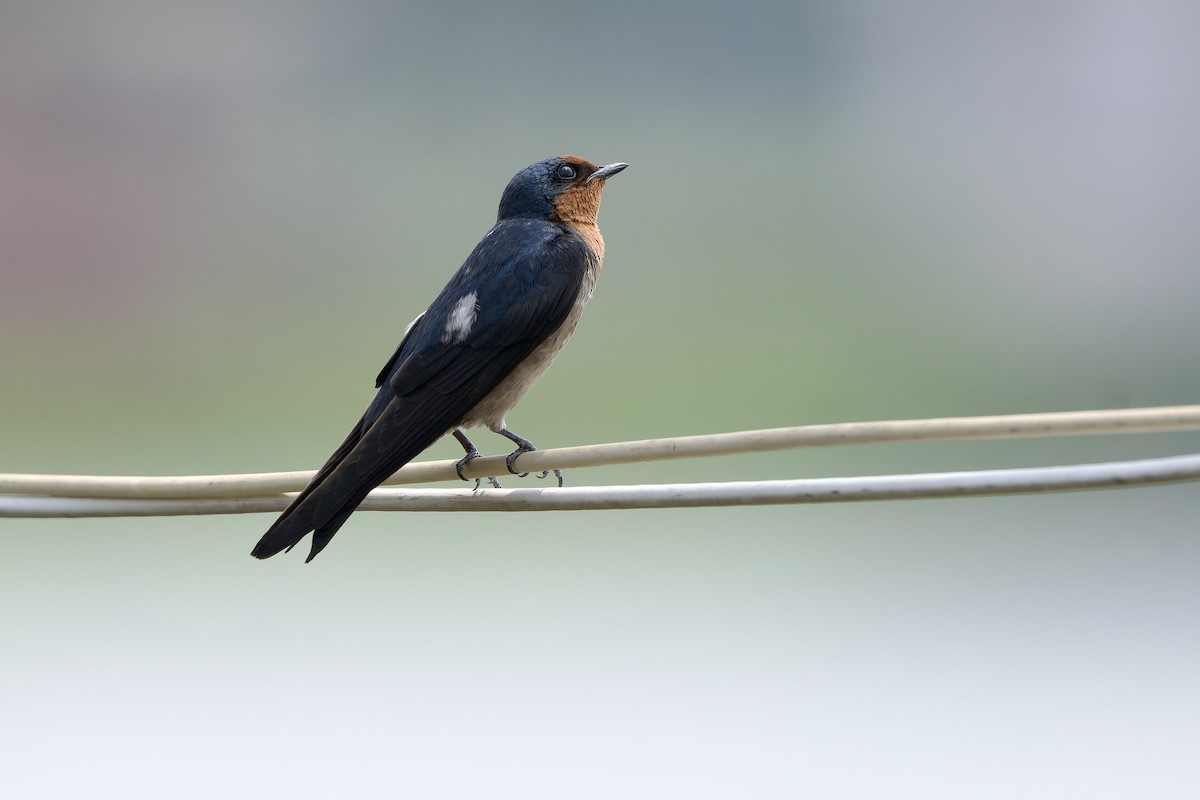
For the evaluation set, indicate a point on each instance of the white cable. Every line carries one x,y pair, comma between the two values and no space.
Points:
1069,423
681,495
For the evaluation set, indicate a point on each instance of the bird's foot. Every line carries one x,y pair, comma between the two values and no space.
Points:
462,462
467,459
472,454
511,460
524,446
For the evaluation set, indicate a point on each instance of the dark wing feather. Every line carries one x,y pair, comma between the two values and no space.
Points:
527,275
391,362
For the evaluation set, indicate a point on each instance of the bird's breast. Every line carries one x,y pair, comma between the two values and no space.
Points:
590,233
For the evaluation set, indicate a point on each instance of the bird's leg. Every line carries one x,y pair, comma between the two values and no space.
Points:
472,454
524,446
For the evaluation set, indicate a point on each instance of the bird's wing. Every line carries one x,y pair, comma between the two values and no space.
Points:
387,368
525,276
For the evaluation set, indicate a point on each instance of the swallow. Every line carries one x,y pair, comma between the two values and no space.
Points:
474,353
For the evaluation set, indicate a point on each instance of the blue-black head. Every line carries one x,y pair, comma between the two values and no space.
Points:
562,189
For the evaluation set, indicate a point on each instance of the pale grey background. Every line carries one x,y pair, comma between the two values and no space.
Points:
216,219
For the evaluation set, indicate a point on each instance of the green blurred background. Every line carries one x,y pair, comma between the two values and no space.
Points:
216,220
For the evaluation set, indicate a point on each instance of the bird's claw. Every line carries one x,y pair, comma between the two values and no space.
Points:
557,474
495,483
462,462
467,459
512,459
471,455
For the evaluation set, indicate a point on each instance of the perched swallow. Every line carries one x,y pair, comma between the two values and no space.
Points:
477,349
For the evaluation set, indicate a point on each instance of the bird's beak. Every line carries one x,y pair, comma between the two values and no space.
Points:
607,171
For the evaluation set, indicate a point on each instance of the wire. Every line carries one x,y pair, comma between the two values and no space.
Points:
679,495
1069,423
92,496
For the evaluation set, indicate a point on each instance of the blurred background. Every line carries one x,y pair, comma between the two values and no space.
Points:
216,220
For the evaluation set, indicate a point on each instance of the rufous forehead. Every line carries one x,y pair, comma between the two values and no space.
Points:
583,163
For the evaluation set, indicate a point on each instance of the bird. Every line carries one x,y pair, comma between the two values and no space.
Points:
476,350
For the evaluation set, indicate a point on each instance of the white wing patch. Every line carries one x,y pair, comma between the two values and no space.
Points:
462,317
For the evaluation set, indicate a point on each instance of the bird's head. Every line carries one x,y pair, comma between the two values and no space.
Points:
562,189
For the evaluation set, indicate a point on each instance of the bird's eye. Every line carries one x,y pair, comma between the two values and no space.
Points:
566,172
